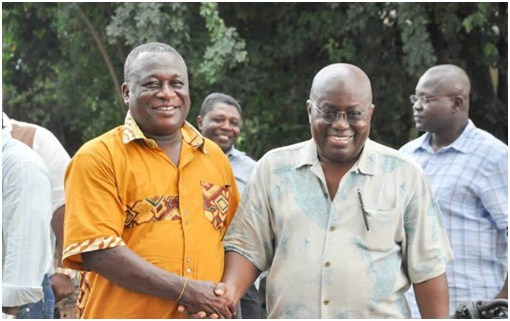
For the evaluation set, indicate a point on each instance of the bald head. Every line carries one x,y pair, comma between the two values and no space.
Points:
345,78
447,79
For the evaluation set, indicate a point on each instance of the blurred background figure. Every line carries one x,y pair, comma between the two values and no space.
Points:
56,158
26,249
468,171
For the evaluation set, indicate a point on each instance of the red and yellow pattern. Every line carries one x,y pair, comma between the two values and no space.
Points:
216,203
157,208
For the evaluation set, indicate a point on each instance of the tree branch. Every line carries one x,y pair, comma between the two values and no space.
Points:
106,58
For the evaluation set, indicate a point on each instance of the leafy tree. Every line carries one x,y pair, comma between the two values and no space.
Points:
63,62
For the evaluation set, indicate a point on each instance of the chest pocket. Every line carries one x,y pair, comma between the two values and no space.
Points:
383,228
216,203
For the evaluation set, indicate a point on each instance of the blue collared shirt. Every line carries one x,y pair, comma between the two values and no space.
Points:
242,166
470,181
26,216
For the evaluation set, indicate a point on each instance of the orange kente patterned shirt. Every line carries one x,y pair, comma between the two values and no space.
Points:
123,190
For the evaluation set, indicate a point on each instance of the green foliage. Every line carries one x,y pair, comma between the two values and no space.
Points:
417,46
137,23
63,62
226,48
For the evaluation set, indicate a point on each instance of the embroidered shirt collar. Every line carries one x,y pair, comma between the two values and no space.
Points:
131,131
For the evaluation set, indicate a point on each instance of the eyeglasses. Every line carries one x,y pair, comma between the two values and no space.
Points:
329,115
425,100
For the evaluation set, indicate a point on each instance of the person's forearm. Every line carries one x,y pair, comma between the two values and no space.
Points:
239,274
432,297
125,268
503,294
57,225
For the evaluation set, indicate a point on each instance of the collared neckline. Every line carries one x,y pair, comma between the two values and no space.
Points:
364,165
131,131
233,152
461,144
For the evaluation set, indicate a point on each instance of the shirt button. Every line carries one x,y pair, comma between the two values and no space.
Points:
326,302
188,260
332,228
188,270
185,212
327,264
186,223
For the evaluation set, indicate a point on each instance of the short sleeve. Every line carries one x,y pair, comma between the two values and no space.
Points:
250,233
94,217
494,195
427,250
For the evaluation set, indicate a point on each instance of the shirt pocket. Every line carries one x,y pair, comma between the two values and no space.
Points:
216,203
383,228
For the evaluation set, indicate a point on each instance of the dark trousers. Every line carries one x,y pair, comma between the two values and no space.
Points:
250,304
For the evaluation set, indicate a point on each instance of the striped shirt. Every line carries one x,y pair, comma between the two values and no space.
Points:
470,181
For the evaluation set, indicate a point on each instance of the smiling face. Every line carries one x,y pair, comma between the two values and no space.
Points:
222,124
346,88
157,93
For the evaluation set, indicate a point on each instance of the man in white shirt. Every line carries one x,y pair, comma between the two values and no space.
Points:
26,249
56,158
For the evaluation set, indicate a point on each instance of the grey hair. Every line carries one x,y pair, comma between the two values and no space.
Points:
215,98
129,65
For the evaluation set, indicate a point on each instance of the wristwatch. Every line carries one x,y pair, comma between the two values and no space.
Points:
69,272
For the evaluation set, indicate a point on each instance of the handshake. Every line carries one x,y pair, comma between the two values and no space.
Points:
203,299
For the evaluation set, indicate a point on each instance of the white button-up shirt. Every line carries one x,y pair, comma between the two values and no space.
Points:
26,216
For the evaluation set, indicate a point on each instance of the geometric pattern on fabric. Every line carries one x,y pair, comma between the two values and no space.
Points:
216,203
131,130
93,245
153,209
84,286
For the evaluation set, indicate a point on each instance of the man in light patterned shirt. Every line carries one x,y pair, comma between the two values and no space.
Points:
468,171
342,224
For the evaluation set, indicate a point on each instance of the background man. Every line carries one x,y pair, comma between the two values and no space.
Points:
26,249
55,157
343,224
220,120
468,171
148,202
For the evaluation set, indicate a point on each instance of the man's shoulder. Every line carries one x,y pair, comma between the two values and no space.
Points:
106,141
287,150
412,145
17,155
486,139
390,156
242,156
290,155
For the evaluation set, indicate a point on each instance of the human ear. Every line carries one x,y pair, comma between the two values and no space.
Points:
125,92
309,110
199,122
458,103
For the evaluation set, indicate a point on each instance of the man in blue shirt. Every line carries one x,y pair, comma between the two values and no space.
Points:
220,120
468,171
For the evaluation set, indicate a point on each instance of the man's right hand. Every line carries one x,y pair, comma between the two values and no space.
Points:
216,302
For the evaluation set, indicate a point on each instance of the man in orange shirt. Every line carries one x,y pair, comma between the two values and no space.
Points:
148,203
